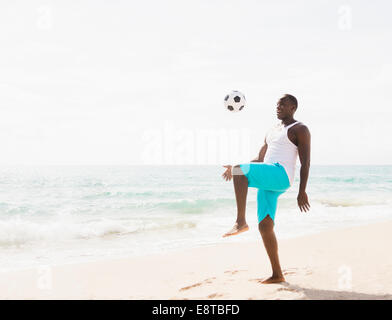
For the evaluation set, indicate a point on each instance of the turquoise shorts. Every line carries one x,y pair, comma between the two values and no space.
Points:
271,180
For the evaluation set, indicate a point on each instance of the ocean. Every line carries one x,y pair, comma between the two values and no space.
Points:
67,214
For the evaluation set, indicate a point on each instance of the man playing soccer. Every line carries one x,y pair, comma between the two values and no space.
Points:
272,173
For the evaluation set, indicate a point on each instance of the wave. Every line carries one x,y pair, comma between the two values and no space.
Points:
195,206
18,232
108,194
350,202
177,205
158,206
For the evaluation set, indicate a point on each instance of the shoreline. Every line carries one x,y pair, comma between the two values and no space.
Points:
179,250
333,264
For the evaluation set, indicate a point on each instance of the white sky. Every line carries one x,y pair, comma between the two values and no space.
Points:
87,82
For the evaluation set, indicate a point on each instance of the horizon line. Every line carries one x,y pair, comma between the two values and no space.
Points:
167,165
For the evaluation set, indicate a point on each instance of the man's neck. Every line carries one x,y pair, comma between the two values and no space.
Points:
288,121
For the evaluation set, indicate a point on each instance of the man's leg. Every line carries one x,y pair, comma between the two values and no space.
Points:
241,191
266,228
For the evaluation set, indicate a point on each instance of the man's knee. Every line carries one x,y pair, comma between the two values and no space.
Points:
237,171
266,225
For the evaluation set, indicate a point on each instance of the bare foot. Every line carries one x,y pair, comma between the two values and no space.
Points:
273,279
237,229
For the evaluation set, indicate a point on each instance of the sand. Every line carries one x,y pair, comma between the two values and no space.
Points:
354,263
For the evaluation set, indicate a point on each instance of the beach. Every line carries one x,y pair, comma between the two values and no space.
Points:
348,263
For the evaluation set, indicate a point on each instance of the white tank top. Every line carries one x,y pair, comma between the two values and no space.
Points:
281,149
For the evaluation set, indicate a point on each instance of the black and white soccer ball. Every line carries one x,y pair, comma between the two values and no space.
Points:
235,101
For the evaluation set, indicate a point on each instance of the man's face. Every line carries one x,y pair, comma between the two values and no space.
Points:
283,110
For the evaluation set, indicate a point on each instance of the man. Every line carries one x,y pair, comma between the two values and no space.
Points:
273,173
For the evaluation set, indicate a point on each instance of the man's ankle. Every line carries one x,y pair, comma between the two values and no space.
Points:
241,222
277,275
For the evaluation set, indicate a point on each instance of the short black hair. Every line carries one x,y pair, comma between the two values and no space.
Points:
289,99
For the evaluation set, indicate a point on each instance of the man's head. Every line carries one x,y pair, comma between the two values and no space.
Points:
286,106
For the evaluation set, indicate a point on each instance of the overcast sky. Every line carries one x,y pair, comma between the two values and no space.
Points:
127,82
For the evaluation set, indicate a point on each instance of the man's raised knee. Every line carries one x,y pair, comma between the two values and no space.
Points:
237,171
266,225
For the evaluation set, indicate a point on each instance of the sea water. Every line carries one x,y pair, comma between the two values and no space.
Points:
67,214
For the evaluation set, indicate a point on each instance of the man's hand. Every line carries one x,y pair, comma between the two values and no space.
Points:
303,202
227,175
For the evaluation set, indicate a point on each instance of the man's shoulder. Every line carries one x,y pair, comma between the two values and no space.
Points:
301,131
301,127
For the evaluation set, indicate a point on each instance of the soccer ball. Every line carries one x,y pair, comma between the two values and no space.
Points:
234,101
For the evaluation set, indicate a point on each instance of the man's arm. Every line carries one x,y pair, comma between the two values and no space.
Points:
262,152
303,139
